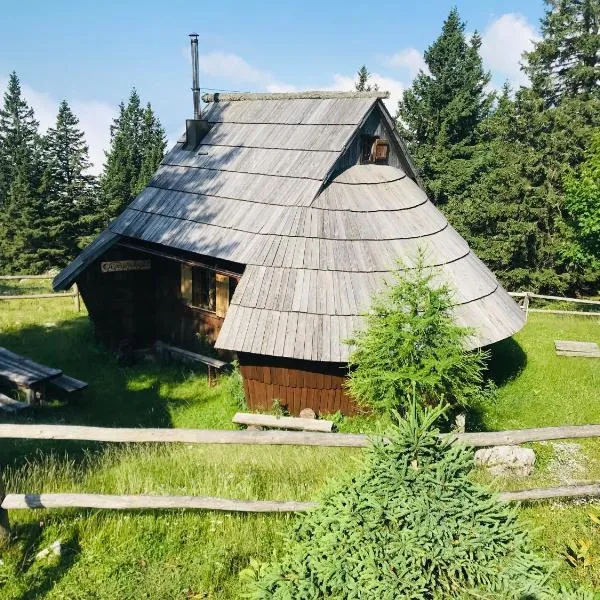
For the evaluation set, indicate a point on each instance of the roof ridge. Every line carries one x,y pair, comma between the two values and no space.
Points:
308,95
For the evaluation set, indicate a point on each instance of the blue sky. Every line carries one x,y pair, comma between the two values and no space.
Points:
92,53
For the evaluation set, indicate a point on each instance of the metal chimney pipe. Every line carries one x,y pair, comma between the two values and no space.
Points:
195,76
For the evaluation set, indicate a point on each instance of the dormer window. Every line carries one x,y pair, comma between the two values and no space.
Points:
381,151
374,150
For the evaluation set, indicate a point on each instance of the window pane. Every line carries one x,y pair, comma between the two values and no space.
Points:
186,283
203,288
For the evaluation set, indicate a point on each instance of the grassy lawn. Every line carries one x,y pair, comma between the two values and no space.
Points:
198,554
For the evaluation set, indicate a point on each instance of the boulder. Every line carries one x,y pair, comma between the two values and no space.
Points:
308,413
506,460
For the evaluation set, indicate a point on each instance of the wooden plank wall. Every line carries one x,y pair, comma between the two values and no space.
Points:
142,306
295,384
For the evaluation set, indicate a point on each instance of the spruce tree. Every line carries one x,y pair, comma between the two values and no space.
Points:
582,204
409,524
566,61
439,114
411,340
19,140
153,143
362,84
21,217
137,145
66,186
24,245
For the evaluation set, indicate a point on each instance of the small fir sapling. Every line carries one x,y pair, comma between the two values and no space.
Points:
411,524
411,339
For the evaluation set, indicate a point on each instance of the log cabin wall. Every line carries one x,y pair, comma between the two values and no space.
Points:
142,306
296,384
120,302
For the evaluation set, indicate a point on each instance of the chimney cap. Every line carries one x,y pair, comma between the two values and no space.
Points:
193,35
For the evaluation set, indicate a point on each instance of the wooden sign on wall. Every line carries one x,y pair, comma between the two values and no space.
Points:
115,266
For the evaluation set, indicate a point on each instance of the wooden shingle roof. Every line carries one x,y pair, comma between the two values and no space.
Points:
261,191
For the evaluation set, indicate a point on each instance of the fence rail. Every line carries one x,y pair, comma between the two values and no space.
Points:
275,438
210,436
149,502
47,296
12,277
527,296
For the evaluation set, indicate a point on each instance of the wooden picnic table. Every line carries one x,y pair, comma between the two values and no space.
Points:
27,375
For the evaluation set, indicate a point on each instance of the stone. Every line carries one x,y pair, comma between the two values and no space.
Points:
54,549
308,413
254,428
460,422
506,460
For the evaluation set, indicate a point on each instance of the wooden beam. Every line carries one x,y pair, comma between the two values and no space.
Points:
13,277
294,423
36,296
275,438
573,491
561,299
35,501
146,502
522,436
565,312
4,520
187,436
558,298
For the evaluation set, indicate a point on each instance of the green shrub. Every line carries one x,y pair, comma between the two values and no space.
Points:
410,524
410,340
233,385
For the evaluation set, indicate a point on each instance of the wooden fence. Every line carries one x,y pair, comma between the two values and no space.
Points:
527,296
210,436
50,296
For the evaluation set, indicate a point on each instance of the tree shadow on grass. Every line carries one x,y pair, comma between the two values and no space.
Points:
115,397
48,570
507,360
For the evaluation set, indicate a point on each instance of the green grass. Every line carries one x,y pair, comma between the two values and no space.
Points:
538,388
177,554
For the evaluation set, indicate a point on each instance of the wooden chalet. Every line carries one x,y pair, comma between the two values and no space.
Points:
266,230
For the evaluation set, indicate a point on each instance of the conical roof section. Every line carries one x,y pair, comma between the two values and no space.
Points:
303,304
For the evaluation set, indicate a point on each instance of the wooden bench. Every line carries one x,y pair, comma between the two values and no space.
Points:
581,349
273,422
8,404
68,384
26,375
166,351
32,378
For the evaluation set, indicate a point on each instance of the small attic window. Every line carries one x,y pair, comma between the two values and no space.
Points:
374,150
381,151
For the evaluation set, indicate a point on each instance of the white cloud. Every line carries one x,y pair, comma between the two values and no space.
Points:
236,70
410,59
95,118
503,43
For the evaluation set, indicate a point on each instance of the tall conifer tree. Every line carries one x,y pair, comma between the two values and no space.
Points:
566,61
439,114
153,143
66,185
21,214
362,82
137,147
19,140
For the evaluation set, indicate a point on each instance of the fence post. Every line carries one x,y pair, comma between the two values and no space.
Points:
76,298
526,304
4,521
